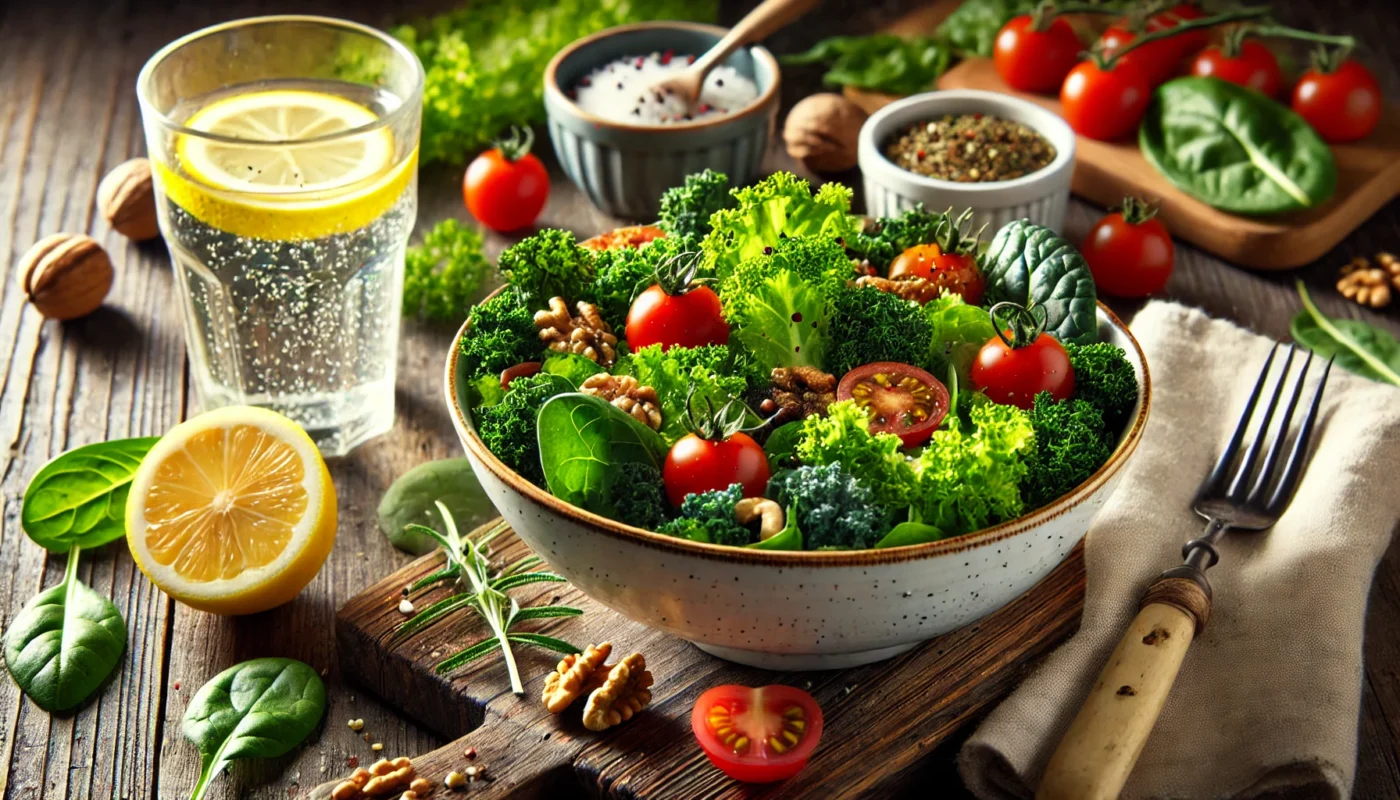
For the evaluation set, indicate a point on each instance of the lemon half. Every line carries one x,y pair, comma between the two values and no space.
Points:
232,512
279,171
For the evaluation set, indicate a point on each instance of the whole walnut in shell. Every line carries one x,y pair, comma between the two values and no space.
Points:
822,130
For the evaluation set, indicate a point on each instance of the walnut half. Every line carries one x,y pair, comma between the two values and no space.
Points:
626,691
571,677
586,335
627,394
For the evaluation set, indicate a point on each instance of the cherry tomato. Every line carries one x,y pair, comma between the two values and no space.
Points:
1102,104
1342,105
1015,377
633,236
505,188
757,735
1129,252
521,370
1032,60
1155,60
690,319
1254,67
900,399
956,272
697,465
1189,42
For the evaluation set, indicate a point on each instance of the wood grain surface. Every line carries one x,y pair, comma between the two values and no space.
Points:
68,114
879,720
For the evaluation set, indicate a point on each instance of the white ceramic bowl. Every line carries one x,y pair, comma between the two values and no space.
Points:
799,610
1042,196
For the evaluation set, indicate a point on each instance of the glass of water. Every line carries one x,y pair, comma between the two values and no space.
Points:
284,152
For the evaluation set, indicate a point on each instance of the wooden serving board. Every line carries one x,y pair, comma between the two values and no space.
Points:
881,720
1368,176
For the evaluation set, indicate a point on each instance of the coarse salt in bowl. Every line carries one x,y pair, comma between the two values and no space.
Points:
621,90
625,167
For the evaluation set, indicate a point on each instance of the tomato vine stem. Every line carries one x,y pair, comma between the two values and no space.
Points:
1239,15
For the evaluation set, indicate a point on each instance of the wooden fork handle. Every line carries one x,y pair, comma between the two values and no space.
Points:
1101,746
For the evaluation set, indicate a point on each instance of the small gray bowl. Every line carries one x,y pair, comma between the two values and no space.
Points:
625,168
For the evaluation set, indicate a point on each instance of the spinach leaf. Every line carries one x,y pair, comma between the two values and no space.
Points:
789,538
973,26
64,642
1235,149
258,709
781,447
882,62
582,441
1357,346
79,498
411,500
486,391
959,331
1032,265
907,533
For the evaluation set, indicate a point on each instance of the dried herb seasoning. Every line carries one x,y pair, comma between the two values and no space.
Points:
970,148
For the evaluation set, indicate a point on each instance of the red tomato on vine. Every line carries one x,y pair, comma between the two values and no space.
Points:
1022,360
1034,52
1104,104
1249,64
1343,104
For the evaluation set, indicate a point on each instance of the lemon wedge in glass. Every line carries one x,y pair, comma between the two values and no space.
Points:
232,512
286,164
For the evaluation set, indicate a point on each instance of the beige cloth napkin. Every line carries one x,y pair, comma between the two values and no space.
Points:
1267,701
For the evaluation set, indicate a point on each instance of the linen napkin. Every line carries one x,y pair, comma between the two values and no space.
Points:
1267,701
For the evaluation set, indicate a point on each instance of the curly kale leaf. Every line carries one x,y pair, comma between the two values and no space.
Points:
1071,443
1104,378
843,437
877,326
781,205
502,334
709,374
442,275
509,429
709,517
548,264
625,272
970,475
686,209
893,235
639,495
833,509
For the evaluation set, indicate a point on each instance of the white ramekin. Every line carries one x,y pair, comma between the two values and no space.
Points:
1041,197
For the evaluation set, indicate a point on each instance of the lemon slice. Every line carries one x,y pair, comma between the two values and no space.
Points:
284,167
232,511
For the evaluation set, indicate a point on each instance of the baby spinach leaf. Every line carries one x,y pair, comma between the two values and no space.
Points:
789,538
64,642
906,533
258,709
1235,149
1031,265
79,498
973,26
1357,346
582,440
881,62
781,447
411,498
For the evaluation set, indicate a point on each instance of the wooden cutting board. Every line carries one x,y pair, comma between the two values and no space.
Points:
1368,176
881,720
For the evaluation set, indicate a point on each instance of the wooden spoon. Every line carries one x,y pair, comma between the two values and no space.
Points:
768,17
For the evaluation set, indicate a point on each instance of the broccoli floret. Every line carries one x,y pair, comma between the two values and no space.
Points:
686,210
1103,377
502,334
833,509
709,517
639,495
509,428
548,264
1071,443
877,326
894,235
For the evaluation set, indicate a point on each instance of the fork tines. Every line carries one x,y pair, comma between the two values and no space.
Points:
1241,479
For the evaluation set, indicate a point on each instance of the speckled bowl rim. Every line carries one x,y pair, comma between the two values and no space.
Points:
760,105
877,166
803,558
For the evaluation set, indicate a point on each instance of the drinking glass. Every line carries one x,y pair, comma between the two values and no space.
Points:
284,154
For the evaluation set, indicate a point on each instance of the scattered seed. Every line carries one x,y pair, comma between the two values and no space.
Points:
357,724
455,780
376,747
405,606
471,752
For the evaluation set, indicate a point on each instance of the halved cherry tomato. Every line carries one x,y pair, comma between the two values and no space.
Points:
1342,105
633,236
1254,67
521,370
900,399
689,319
1015,376
956,272
1035,60
1103,104
757,735
1129,252
696,465
506,187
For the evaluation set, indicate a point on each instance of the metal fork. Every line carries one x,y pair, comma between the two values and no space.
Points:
1247,490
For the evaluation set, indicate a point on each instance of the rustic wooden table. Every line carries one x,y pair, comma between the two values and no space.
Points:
68,113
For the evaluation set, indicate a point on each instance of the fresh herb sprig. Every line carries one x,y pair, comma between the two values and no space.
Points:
469,564
443,275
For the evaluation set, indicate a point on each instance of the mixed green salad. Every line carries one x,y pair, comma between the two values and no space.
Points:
763,369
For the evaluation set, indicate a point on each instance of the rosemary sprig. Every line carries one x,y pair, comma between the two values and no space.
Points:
469,565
